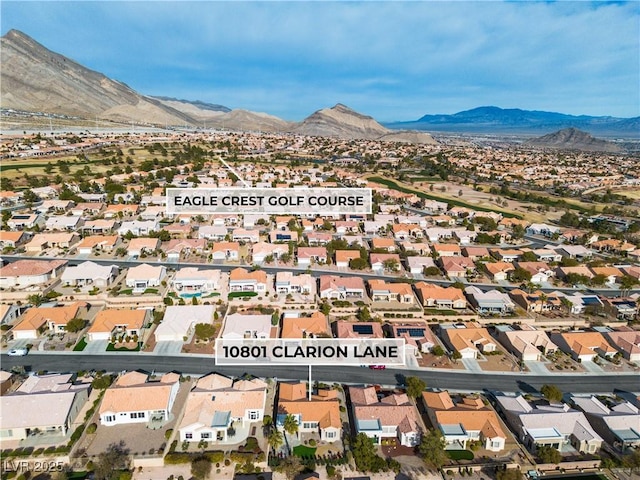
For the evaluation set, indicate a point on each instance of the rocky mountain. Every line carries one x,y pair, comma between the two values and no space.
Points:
574,139
490,119
245,120
38,80
201,111
342,122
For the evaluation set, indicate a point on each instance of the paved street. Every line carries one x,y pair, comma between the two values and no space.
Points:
451,379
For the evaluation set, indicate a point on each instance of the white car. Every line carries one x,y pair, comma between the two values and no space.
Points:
17,352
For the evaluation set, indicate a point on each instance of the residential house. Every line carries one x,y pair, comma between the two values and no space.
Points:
212,232
226,251
498,271
457,267
435,296
542,229
89,274
612,274
242,280
42,241
537,302
314,325
133,398
217,403
390,417
38,320
138,228
179,321
547,255
382,291
262,250
344,329
20,221
333,287
506,255
238,326
540,271
381,262
119,323
319,414
626,341
175,247
617,422
144,276
283,236
417,335
343,257
384,243
98,243
25,273
475,253
100,226
583,346
289,283
525,342
63,223
578,303
468,339
465,421
417,265
309,255
552,426
138,246
490,302
191,281
12,239
579,252
52,412
446,250
318,238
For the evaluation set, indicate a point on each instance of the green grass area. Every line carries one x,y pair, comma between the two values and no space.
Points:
242,294
460,454
80,346
304,451
126,291
449,201
112,348
151,290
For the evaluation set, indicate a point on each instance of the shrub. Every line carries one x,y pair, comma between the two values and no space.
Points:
92,428
168,433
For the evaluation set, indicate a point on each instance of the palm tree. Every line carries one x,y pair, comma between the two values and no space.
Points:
275,439
290,426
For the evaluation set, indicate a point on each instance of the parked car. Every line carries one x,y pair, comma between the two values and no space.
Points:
377,367
17,352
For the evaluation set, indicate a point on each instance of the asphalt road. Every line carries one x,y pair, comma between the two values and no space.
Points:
454,380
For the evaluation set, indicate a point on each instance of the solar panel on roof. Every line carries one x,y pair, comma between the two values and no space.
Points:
413,332
363,329
590,301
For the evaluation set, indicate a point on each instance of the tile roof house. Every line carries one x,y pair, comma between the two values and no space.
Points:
491,302
469,340
548,425
627,342
239,326
385,261
617,423
180,320
417,335
25,273
12,239
468,420
176,247
217,402
527,343
308,255
191,280
343,257
89,274
110,322
341,288
393,416
305,327
53,411
419,264
383,243
583,346
134,399
289,283
37,320
242,280
344,329
457,267
226,251
42,241
98,243
537,301
143,276
498,271
138,246
435,296
212,232
382,291
261,250
320,414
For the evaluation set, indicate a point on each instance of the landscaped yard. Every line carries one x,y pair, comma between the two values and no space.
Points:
304,451
460,454
80,346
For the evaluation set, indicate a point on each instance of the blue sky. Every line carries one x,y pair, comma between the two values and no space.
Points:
392,60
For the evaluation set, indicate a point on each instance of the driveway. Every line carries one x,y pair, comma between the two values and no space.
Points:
97,346
168,348
537,368
471,364
592,367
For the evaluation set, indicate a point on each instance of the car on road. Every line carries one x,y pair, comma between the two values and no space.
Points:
377,367
17,352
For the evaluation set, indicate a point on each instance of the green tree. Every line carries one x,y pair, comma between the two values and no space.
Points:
432,271
520,275
364,315
432,448
509,474
391,265
528,257
551,392
36,299
438,351
415,386
29,198
201,468
549,454
358,264
290,424
275,438
365,455
204,331
75,325
110,462
290,466
456,355
632,461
